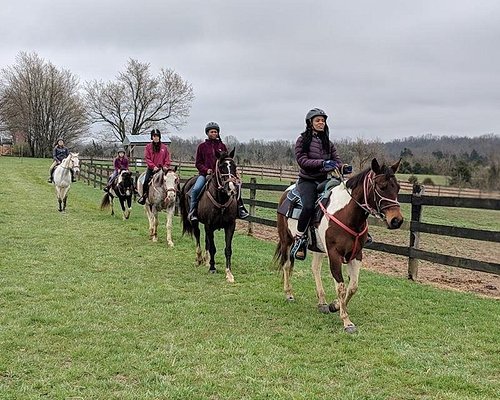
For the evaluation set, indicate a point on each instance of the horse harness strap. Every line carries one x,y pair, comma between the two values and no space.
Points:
356,235
217,204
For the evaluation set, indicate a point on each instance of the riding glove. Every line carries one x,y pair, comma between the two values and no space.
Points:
329,165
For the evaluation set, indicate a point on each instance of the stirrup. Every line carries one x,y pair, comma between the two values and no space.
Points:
299,248
192,216
142,200
242,213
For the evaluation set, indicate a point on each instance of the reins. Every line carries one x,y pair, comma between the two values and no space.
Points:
220,183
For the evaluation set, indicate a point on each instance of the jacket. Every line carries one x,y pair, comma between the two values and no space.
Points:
205,155
311,162
160,159
120,164
60,153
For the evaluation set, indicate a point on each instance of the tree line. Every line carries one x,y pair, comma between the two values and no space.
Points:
40,103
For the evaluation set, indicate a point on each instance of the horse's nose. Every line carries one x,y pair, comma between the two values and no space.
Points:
396,222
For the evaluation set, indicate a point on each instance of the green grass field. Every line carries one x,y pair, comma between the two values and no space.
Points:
90,309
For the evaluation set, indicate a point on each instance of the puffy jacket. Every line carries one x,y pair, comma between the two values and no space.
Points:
60,153
311,162
120,163
205,155
160,159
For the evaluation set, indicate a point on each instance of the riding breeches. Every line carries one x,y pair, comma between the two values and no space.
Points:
308,193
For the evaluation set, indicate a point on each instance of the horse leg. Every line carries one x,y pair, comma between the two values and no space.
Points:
228,251
353,268
64,202
168,224
336,270
128,207
210,242
199,253
111,203
155,225
320,291
149,214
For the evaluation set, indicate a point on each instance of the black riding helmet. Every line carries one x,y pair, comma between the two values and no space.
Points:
155,132
212,125
315,112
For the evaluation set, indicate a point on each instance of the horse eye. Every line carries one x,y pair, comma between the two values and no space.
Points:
383,186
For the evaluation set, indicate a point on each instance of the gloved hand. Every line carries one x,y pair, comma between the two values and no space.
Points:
346,169
328,165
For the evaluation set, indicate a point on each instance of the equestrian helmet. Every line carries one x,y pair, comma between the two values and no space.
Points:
315,112
121,151
212,125
155,132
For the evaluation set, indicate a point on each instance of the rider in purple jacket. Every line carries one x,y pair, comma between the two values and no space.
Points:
120,163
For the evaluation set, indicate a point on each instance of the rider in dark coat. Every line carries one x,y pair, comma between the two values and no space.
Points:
205,163
59,153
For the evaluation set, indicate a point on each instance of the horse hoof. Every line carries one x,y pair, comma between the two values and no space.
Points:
350,328
170,244
333,307
290,298
324,308
212,271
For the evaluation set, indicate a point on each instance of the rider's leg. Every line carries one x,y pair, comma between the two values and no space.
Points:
242,211
51,171
307,191
145,187
110,180
73,179
195,194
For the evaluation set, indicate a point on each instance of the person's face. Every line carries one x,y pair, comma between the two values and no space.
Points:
318,123
213,134
156,138
60,143
121,154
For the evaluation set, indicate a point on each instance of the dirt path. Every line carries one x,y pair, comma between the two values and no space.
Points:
481,283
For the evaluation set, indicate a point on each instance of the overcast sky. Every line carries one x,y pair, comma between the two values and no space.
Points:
380,69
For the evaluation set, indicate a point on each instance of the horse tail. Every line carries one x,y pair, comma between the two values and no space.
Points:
285,240
105,203
184,209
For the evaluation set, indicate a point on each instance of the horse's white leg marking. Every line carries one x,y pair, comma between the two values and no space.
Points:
353,269
287,285
229,276
316,270
341,295
168,224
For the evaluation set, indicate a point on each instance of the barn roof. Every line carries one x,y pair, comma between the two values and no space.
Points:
139,140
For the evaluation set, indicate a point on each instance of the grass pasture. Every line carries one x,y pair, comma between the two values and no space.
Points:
90,309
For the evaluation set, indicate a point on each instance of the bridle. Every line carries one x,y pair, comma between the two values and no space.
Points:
369,185
221,180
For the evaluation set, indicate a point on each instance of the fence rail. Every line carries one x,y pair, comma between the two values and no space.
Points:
96,172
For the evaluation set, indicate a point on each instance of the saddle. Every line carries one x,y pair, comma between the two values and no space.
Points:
292,207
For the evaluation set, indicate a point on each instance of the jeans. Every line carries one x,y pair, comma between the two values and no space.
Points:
195,191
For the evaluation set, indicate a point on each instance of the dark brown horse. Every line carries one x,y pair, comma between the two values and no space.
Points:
341,233
217,209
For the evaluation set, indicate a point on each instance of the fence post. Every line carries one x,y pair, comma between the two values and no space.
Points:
253,192
416,215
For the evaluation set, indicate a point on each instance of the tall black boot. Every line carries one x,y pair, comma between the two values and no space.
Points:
242,211
145,189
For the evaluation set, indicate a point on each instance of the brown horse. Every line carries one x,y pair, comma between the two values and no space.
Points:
217,209
162,194
341,233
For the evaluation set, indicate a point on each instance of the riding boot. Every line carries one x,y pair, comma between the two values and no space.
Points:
193,211
145,189
242,212
299,247
51,174
369,240
73,179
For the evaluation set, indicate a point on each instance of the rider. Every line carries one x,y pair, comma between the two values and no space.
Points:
205,164
59,153
157,157
316,156
120,163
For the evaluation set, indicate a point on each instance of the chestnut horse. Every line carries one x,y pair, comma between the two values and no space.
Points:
341,233
162,195
217,209
122,187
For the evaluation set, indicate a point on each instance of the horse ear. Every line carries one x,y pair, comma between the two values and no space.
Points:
395,167
232,152
175,168
375,166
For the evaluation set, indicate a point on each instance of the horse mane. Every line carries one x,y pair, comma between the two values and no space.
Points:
358,179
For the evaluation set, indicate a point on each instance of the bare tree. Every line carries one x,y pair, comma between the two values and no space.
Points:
42,102
137,101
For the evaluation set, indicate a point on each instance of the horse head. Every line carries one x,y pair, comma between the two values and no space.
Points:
75,162
226,173
125,182
170,183
379,190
